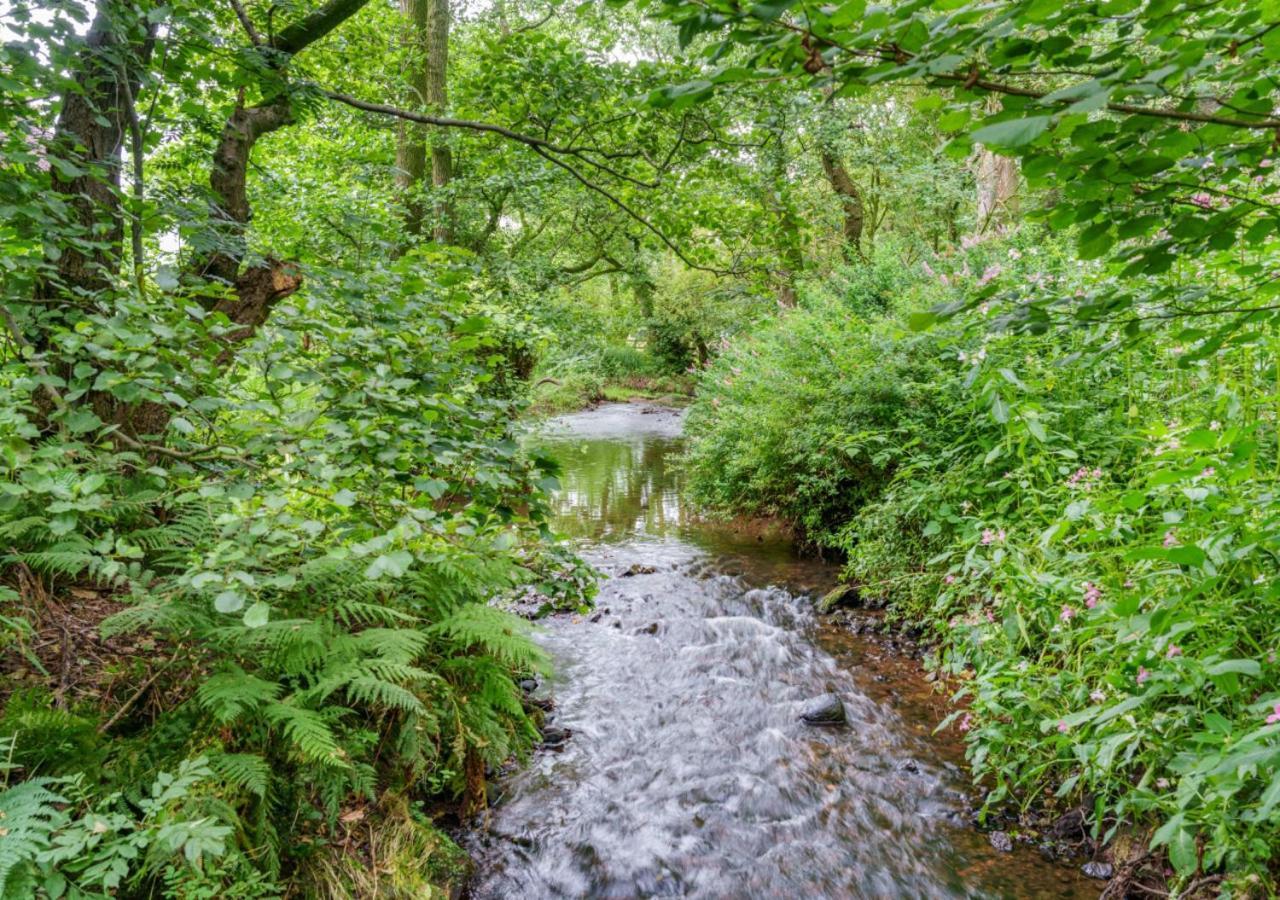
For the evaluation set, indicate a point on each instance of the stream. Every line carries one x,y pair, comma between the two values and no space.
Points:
688,772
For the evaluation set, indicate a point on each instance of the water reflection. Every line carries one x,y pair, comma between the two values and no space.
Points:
613,490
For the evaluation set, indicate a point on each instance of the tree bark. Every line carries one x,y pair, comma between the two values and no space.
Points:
89,134
997,182
850,201
427,41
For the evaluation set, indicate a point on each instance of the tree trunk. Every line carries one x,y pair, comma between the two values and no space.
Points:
997,182
850,201
427,41
89,135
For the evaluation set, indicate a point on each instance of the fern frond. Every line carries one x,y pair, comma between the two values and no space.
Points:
247,771
30,812
228,694
309,731
500,634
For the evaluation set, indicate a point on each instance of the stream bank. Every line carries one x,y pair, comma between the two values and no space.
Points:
681,766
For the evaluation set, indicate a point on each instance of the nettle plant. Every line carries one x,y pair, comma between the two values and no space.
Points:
1114,594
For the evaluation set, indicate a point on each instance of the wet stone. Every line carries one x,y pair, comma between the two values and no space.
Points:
553,738
638,569
1001,841
827,710
1100,870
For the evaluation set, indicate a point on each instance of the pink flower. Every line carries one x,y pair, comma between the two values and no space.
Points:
1092,594
991,617
1000,535
966,723
1170,539
1143,674
1202,200
1063,727
1174,650
1208,472
989,274
987,536
949,579
1275,715
1067,614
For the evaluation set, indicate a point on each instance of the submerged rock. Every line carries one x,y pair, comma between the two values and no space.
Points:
825,710
553,738
638,569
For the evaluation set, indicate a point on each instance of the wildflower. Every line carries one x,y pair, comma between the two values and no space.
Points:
963,357
1174,650
1067,614
928,269
1162,783
987,536
1215,425
1092,594
1063,727
988,275
991,617
1271,657
1170,539
1208,472
984,308
966,723
1202,200
1143,674
1014,253
1266,164
950,579
1130,584
1000,535
1098,696
1275,715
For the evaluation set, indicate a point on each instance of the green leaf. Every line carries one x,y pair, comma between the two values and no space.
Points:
229,601
257,615
1238,666
1013,132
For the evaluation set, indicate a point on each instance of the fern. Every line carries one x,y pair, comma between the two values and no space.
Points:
500,634
229,694
29,815
309,731
247,771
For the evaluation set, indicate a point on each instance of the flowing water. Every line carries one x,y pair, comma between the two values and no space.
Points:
688,771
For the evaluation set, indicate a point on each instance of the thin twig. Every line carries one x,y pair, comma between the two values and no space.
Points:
137,695
243,16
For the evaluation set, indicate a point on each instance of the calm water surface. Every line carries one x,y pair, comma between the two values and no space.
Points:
688,773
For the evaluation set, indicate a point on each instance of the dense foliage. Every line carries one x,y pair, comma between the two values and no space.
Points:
978,295
1084,527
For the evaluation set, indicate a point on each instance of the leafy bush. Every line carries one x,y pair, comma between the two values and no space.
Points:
312,573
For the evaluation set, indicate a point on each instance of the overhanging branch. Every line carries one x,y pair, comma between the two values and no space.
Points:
548,150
